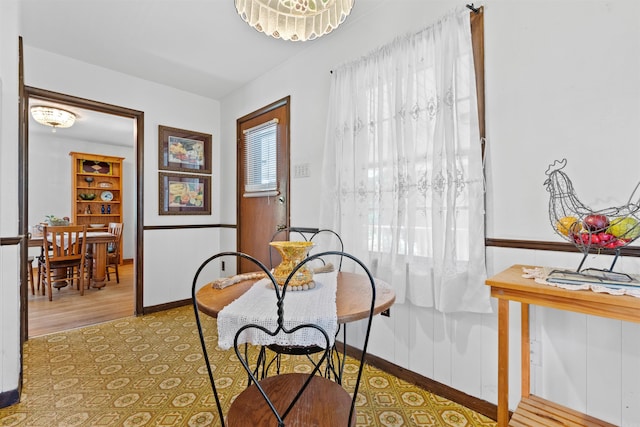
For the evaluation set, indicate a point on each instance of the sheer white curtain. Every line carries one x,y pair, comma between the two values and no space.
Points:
403,179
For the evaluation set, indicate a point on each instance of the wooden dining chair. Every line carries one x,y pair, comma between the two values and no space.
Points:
41,263
292,399
30,260
63,248
113,250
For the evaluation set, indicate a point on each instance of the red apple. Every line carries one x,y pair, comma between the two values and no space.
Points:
596,222
605,237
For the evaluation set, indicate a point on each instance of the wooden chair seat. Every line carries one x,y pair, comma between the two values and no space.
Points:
250,409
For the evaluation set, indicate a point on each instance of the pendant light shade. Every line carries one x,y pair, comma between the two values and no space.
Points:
296,20
52,116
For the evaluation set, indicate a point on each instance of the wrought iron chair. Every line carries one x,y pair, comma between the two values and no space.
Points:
291,399
325,239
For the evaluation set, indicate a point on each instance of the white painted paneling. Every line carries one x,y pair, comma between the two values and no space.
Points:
401,317
442,348
489,358
564,358
630,384
381,329
9,336
604,367
420,343
228,239
171,260
467,345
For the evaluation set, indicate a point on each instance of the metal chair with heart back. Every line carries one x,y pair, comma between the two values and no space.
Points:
323,240
292,398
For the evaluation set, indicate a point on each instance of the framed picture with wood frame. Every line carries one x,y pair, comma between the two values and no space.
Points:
184,194
183,150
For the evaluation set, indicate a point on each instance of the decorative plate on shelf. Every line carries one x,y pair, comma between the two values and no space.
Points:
105,184
95,166
106,196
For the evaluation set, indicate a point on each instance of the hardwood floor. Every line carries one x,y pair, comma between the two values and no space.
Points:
69,310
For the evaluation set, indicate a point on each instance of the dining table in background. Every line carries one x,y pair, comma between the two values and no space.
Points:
99,240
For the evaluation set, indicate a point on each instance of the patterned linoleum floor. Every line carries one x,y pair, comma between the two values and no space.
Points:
149,371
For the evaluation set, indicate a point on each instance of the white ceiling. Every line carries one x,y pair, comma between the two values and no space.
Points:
199,46
89,126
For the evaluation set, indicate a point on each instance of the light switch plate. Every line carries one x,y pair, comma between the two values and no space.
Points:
301,170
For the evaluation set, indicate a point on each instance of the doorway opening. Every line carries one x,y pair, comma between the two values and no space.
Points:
93,112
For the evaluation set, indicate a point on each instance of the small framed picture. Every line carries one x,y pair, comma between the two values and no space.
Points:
183,150
184,194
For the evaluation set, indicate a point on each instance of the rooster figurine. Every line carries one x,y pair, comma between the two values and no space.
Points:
606,229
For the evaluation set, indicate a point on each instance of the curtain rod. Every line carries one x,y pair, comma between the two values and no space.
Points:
469,6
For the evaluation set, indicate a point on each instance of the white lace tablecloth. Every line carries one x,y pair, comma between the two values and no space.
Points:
258,305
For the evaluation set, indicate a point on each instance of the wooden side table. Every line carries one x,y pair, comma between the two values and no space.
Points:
509,285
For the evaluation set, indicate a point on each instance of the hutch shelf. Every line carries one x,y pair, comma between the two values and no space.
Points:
96,190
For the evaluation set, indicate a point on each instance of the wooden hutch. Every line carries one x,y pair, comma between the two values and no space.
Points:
96,190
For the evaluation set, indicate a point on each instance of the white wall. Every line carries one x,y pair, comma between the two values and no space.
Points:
162,105
561,81
9,255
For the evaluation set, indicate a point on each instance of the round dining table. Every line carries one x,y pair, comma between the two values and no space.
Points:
352,297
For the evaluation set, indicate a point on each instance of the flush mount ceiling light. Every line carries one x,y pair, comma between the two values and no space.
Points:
52,116
296,20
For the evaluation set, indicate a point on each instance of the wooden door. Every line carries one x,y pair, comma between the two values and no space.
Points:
261,215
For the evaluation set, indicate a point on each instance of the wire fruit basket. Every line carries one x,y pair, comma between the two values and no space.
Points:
603,230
